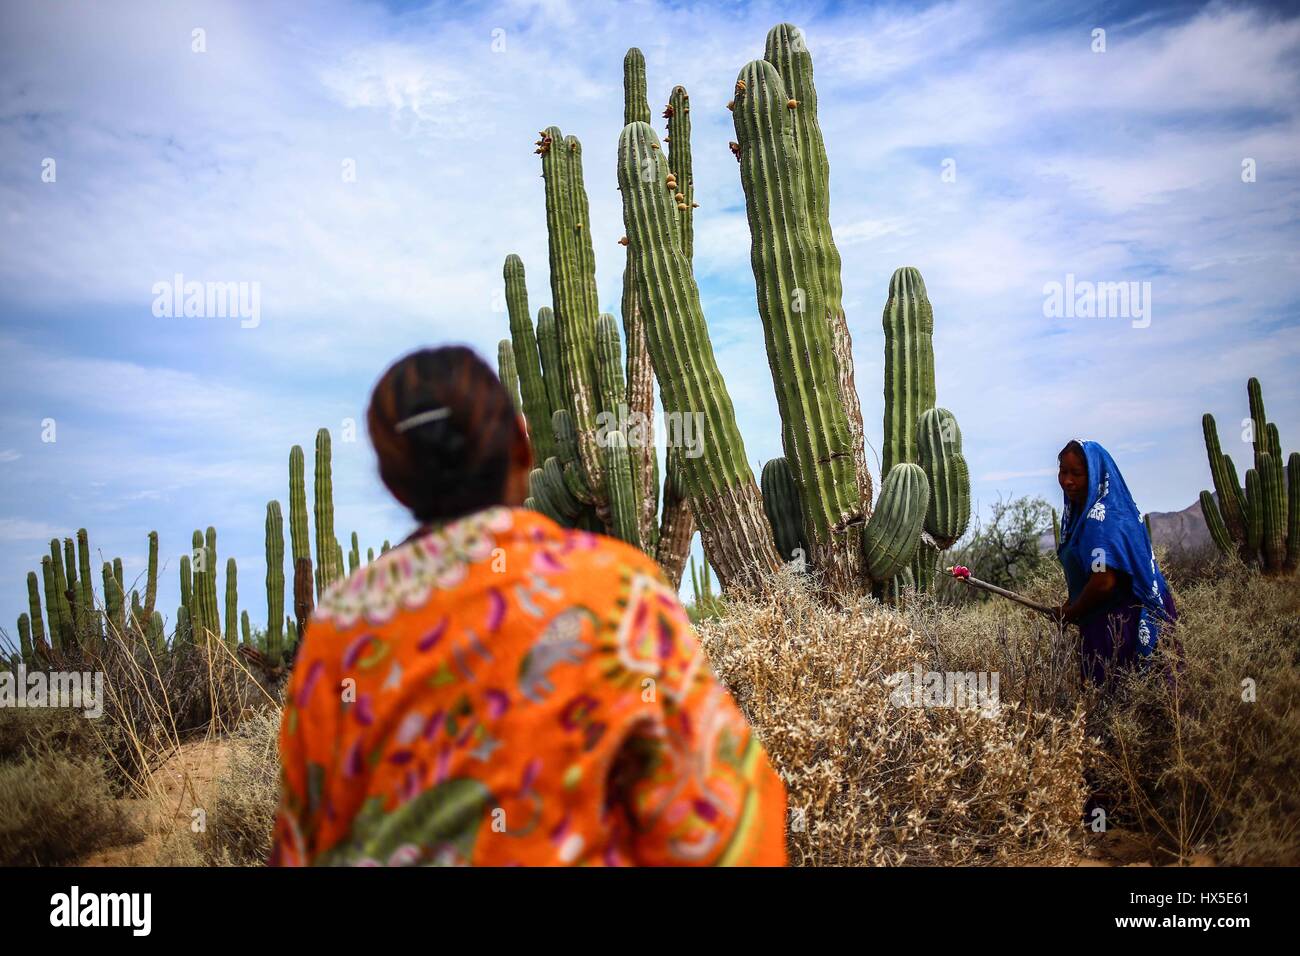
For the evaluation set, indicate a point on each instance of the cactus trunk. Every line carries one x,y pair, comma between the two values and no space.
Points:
274,582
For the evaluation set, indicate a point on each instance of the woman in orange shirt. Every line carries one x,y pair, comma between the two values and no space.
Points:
498,690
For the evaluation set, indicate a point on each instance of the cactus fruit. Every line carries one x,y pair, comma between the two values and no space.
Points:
939,455
274,582
723,495
784,513
1262,526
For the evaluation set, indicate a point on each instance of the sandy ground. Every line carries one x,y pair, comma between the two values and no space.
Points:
183,782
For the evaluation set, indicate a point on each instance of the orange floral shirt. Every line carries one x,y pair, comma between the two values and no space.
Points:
504,691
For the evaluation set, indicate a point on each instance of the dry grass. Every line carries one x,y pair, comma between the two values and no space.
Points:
873,783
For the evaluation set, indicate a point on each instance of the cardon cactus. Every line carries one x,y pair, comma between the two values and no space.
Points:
1261,525
784,513
151,578
622,489
34,609
300,538
724,497
548,347
793,306
274,582
25,647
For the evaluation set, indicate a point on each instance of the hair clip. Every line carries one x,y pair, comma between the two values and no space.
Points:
433,415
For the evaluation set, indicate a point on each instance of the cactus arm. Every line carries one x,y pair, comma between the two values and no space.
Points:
893,533
784,513
909,364
151,578
621,489
788,53
1293,512
939,455
508,375
534,401
1254,514
34,609
1214,522
1224,476
1272,492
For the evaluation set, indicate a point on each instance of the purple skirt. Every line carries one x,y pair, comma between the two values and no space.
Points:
1109,640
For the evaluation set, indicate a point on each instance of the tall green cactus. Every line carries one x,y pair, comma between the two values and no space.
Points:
354,555
792,304
548,348
89,626
232,604
1261,525
787,51
199,590
640,393
151,578
245,628
34,610
527,357
573,292
300,536
67,624
25,646
323,500
623,491
274,582
723,494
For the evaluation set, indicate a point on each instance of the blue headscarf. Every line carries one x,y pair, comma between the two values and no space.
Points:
1108,532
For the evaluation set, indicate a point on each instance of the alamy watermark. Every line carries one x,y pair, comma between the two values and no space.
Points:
1084,299
176,298
684,430
76,690
962,690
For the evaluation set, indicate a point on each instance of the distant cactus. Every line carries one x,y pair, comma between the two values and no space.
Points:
323,497
232,604
274,582
1261,525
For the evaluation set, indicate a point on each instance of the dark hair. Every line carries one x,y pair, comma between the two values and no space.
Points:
453,465
1073,446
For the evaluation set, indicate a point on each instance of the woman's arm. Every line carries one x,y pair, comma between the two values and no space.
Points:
1098,592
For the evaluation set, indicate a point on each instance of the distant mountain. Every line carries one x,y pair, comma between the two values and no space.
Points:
1180,532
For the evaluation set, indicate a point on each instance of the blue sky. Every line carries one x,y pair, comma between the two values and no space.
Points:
225,165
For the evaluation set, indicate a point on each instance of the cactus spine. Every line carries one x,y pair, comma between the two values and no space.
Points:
274,582
1262,526
720,484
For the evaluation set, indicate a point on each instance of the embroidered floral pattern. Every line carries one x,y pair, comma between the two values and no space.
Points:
406,576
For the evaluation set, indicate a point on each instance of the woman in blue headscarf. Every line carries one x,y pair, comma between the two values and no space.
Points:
1118,597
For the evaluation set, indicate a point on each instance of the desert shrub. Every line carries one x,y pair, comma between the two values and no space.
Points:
870,782
58,808
1194,762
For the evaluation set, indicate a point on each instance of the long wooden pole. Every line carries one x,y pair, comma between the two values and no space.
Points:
957,573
